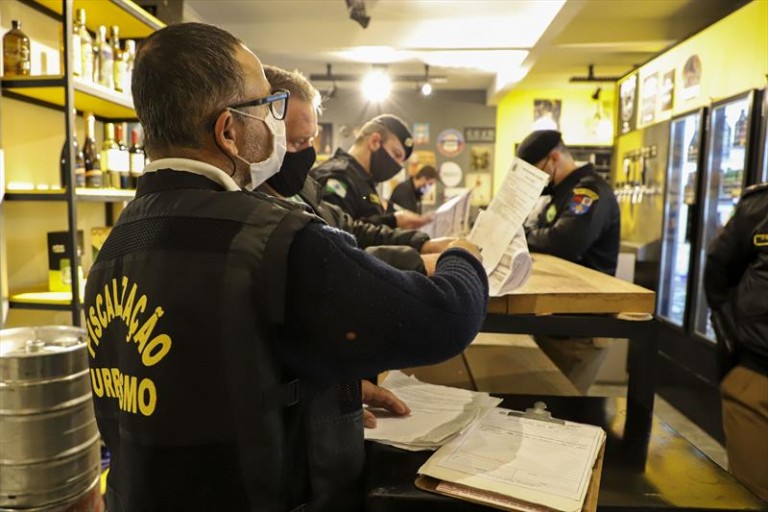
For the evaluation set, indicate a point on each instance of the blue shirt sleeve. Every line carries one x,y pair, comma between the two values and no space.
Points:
349,315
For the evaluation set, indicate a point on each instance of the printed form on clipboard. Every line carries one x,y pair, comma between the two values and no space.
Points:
498,230
514,462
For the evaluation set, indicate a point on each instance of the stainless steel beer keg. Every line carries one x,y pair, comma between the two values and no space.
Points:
49,442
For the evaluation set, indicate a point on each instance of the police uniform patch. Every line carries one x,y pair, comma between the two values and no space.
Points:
551,213
580,204
760,240
586,192
374,198
337,187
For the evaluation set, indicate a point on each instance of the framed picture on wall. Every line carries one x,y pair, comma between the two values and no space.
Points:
324,141
480,134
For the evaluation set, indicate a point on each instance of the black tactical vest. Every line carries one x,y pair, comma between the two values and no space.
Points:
183,310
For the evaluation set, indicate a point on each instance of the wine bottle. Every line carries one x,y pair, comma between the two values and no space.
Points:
79,176
16,51
91,157
693,147
129,55
136,159
104,63
118,69
740,131
86,47
110,157
122,163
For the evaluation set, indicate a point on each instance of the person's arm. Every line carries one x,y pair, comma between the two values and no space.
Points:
368,234
339,192
401,257
349,315
574,232
728,256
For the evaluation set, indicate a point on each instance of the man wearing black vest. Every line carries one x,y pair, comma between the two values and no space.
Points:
227,329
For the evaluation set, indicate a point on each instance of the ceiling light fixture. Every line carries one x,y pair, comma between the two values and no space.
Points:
376,85
357,12
591,77
426,87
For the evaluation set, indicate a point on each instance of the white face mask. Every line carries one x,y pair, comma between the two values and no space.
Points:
262,171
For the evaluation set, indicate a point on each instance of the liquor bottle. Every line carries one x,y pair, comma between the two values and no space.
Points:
136,159
16,53
122,162
740,131
693,147
86,47
91,157
76,48
79,176
118,69
725,150
129,54
110,157
103,63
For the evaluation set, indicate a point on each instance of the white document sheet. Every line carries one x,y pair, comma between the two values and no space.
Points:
452,217
538,462
437,413
498,229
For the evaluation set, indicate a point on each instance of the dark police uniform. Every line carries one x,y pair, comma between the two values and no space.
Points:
580,222
397,247
205,305
348,186
736,286
406,196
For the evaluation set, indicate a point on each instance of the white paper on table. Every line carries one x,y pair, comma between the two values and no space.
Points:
451,218
539,462
437,412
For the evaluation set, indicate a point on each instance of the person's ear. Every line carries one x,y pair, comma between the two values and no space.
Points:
374,142
225,132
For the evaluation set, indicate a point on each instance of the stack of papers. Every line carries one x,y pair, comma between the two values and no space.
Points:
452,217
515,462
498,231
438,413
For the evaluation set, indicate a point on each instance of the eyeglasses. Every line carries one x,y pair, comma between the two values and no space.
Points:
277,101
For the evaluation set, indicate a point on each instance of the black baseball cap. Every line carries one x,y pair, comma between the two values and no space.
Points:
538,144
398,127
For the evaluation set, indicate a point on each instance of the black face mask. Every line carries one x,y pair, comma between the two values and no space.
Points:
383,166
293,173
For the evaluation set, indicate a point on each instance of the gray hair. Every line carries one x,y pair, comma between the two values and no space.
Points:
295,83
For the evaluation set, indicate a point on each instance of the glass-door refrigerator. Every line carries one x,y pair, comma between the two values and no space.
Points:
679,227
725,176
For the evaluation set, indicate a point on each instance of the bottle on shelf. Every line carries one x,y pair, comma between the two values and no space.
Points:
16,52
91,157
129,54
118,68
110,157
85,51
76,49
136,159
693,147
103,68
725,150
123,157
79,175
740,131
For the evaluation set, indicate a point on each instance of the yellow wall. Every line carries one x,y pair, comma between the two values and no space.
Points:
514,117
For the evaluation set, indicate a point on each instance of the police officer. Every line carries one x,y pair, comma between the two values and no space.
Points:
350,178
736,286
580,220
404,249
407,195
577,220
228,330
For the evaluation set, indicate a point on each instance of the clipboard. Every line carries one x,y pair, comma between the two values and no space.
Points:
504,502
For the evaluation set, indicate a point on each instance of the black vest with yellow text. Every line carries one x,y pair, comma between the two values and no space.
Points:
183,309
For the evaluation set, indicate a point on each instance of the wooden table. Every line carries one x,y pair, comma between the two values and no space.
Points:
565,299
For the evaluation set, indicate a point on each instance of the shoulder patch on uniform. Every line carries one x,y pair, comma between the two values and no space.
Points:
580,204
588,192
551,213
760,187
333,186
760,240
374,198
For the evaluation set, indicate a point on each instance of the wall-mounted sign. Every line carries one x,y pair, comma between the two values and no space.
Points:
650,94
477,134
691,77
450,143
450,174
420,133
668,91
628,105
546,114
